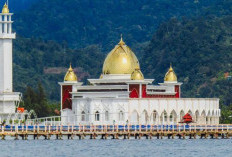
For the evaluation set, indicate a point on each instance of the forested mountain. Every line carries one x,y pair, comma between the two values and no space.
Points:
84,22
36,60
18,5
198,47
200,51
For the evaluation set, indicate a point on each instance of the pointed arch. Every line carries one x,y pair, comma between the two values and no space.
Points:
134,118
144,117
83,116
173,117
197,115
97,116
190,112
134,94
181,114
213,113
155,117
164,117
203,113
121,115
107,115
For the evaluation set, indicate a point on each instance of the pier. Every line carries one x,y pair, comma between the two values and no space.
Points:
116,132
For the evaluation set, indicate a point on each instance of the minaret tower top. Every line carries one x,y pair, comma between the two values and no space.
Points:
6,23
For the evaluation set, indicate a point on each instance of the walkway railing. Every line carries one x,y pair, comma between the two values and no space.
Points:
116,128
117,131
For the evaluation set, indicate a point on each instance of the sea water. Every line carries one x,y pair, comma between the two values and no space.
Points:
117,148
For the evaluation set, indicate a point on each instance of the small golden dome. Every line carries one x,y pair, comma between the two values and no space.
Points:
170,75
70,75
5,9
137,75
121,60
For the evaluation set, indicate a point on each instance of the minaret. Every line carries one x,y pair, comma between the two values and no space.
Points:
9,100
6,36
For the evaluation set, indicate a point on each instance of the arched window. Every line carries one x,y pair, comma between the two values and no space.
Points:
121,116
83,116
181,114
97,116
154,116
107,116
144,117
164,117
173,117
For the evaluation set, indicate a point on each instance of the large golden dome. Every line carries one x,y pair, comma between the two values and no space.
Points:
121,60
170,75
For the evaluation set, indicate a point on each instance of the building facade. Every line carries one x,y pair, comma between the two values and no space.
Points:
123,96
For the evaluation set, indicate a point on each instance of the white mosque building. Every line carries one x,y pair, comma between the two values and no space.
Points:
123,96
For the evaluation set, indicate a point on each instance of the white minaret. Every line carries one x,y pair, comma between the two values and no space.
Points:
6,37
8,98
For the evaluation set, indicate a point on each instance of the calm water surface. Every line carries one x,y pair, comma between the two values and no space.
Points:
117,148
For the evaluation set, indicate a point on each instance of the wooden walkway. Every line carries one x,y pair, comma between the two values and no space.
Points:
117,131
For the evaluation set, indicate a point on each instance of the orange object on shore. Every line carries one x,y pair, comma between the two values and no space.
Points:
21,110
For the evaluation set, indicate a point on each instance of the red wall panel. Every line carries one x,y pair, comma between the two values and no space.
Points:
66,97
134,89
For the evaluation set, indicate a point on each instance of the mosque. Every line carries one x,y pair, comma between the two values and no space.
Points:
123,96
120,96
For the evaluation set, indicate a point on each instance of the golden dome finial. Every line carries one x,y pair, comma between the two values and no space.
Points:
70,67
70,75
170,75
5,9
121,41
137,75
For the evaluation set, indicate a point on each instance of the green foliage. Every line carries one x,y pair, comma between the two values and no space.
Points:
33,56
199,49
37,101
226,114
18,5
82,22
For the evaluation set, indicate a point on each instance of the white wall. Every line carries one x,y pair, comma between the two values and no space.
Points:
140,111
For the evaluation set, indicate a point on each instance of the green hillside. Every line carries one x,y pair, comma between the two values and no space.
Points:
36,61
18,5
200,51
83,22
194,35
